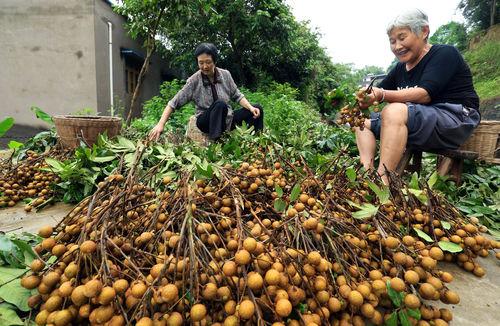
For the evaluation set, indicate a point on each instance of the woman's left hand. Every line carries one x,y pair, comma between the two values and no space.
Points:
255,111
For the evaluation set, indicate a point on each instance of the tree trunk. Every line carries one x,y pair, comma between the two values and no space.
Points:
150,48
140,78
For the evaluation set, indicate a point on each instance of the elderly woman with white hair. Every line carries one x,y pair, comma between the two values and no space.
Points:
431,101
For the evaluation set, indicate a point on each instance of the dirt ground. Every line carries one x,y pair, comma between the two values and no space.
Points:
480,297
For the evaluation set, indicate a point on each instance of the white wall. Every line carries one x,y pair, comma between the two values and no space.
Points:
47,57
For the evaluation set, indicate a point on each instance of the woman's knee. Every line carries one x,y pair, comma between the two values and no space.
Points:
395,114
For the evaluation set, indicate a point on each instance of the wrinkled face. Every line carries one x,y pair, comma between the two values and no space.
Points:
407,46
206,64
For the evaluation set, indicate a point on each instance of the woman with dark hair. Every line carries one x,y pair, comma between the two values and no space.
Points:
211,88
431,100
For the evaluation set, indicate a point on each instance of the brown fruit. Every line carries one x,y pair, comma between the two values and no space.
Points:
198,312
255,281
88,247
63,317
229,268
78,295
92,288
436,253
355,299
411,277
37,265
412,301
145,321
48,244
30,282
138,289
397,284
451,297
250,244
45,231
334,305
246,309
391,242
175,319
170,293
242,257
41,317
120,286
66,289
107,295
426,290
367,310
283,307
272,277
53,303
314,258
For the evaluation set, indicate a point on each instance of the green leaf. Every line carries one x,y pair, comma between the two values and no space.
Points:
446,225
367,210
351,174
103,159
295,192
42,115
395,296
392,320
420,194
8,315
303,308
433,179
414,181
414,313
5,125
14,144
58,166
26,249
403,318
13,292
383,193
279,205
449,246
127,144
279,191
423,235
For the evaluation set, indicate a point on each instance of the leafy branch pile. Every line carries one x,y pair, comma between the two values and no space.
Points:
263,243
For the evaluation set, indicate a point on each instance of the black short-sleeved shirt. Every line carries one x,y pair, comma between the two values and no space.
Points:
442,72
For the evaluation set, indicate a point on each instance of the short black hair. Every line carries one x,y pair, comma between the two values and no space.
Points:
206,48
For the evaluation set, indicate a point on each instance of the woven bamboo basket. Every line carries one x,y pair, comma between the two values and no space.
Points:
485,140
73,129
195,134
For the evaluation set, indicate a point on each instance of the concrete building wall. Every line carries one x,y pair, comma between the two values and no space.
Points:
121,40
47,57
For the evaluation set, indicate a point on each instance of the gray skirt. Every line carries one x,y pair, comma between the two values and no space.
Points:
436,126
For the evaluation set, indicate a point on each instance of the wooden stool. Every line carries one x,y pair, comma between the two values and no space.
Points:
449,162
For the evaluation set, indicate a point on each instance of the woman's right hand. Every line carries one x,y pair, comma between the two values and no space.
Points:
155,133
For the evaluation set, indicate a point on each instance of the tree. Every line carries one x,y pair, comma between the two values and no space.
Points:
480,14
147,19
452,33
258,41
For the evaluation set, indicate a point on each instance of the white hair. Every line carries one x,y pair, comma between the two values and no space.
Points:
414,19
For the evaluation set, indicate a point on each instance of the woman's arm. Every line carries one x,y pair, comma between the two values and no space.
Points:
155,133
415,95
244,103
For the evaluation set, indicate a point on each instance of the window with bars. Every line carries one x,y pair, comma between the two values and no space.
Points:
131,77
